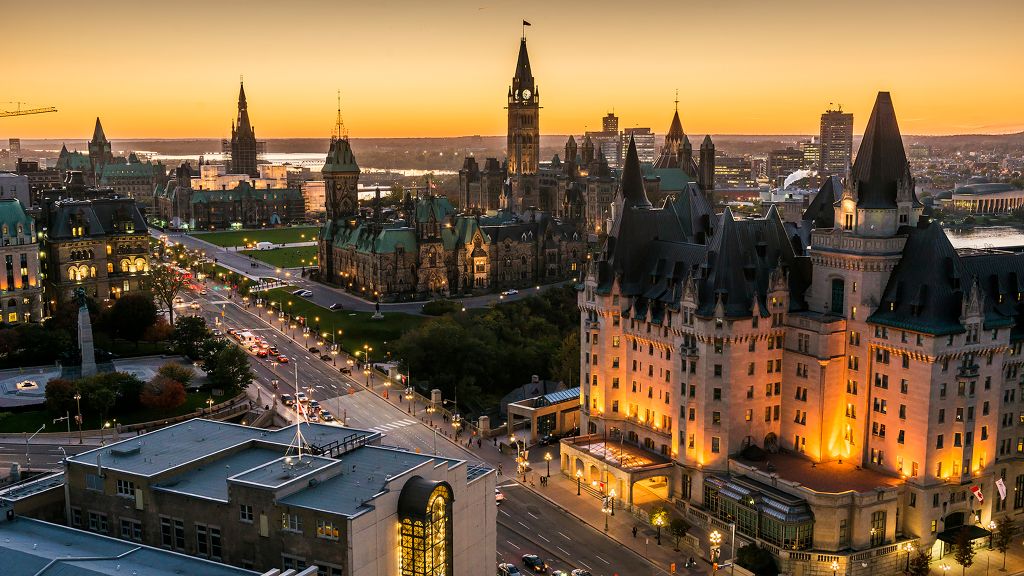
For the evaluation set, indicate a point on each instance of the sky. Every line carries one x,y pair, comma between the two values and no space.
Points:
412,68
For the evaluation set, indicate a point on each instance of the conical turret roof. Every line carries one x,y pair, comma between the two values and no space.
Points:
97,132
633,191
881,160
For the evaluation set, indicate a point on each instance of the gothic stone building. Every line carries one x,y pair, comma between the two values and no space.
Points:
432,250
837,390
101,245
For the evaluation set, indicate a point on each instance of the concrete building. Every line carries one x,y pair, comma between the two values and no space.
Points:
782,163
644,139
314,197
555,413
101,245
835,389
836,140
249,497
985,198
15,186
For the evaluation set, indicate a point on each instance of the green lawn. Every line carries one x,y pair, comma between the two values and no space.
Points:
275,235
286,257
358,328
31,420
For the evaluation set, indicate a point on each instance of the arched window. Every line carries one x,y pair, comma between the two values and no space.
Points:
125,265
92,271
140,265
73,273
425,513
110,267
83,272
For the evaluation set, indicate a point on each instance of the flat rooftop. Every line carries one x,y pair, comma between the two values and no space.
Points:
285,469
622,455
35,548
211,481
362,475
826,477
174,446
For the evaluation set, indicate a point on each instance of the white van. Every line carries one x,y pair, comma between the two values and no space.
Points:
264,245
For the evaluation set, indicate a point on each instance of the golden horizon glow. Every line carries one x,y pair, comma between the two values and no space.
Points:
416,69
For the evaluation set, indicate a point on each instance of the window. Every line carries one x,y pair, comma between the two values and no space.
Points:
716,418
877,528
179,534
94,482
245,513
718,370
425,539
716,444
327,530
126,488
716,394
166,537
328,570
98,522
291,522
76,517
131,530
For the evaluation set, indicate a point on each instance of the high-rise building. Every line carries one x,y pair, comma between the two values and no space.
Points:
243,140
610,123
523,148
836,140
782,163
644,139
15,146
812,153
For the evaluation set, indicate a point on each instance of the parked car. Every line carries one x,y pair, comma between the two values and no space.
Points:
534,563
314,350
287,400
345,370
336,306
505,569
306,293
325,357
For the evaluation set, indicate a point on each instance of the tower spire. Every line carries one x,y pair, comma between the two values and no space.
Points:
339,125
677,99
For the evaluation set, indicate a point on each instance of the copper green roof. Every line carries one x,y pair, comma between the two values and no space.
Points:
437,207
12,213
245,190
340,158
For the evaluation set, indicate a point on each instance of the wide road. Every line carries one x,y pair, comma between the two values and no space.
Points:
41,455
322,294
527,523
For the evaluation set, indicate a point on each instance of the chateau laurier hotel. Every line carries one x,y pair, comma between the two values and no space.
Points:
840,390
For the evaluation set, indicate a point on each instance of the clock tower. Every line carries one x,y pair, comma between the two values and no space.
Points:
523,118
341,178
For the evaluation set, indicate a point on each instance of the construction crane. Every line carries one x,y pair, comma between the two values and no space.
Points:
20,112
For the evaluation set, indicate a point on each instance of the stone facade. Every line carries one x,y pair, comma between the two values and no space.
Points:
878,370
21,290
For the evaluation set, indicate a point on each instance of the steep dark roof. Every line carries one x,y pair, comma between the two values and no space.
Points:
926,289
523,73
97,132
881,161
99,217
675,130
821,212
340,158
632,186
243,112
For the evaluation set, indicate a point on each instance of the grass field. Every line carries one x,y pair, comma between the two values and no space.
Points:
286,257
357,327
275,235
30,421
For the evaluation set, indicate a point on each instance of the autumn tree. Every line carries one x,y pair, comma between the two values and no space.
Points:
165,283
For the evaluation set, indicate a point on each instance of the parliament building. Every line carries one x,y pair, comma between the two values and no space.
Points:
839,390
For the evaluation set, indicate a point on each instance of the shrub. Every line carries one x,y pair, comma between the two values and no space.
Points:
177,372
162,393
441,307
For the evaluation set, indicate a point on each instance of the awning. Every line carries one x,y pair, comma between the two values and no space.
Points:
973,533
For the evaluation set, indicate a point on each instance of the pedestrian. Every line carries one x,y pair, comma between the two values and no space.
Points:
499,469
634,531
479,443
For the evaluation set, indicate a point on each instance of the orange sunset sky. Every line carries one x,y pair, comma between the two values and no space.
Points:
441,68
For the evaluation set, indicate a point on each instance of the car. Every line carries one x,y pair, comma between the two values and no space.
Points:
297,292
498,496
325,357
314,406
345,370
314,350
261,352
580,572
179,300
559,573
312,417
336,306
306,293
287,400
274,350
216,332
326,416
202,292
548,439
282,359
194,306
510,292
534,563
506,569
301,397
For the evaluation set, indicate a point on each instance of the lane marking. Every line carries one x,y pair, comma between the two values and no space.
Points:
602,559
511,544
532,514
566,537
585,565
524,525
566,552
505,513
543,538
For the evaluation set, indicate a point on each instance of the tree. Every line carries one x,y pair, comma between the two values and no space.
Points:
757,560
131,315
1003,537
678,527
166,283
229,369
190,334
565,362
162,393
919,564
177,372
60,396
963,551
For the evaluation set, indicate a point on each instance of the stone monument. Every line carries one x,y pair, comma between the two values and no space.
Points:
85,344
377,314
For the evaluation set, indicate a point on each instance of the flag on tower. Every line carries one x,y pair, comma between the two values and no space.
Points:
525,23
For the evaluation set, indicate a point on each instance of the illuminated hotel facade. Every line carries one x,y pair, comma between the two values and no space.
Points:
838,389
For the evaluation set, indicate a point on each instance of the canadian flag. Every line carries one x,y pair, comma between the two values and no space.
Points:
976,490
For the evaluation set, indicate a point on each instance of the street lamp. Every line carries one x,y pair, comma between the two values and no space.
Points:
835,567
579,477
910,549
547,458
78,417
991,532
659,521
716,541
606,509
611,495
520,461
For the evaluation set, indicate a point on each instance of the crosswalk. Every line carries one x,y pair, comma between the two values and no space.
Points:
393,425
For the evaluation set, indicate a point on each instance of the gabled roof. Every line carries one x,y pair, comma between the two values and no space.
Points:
881,160
821,212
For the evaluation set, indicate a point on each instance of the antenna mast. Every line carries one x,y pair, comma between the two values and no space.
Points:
340,133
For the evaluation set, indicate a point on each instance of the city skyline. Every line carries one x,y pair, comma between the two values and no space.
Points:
443,70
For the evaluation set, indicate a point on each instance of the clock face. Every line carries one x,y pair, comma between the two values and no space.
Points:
526,94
